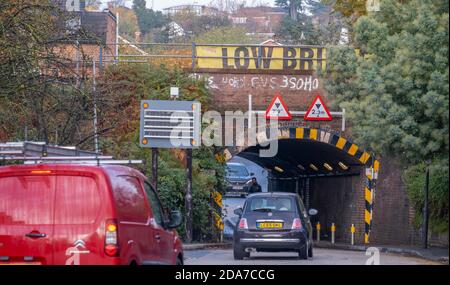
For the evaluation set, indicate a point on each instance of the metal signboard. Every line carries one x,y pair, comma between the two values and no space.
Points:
278,110
170,124
318,111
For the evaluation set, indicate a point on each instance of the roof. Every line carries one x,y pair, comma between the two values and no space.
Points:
260,10
188,6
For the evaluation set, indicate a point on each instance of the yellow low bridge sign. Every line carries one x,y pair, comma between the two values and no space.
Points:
257,57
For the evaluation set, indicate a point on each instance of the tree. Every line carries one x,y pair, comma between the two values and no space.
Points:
396,93
229,6
93,5
314,23
126,86
294,6
37,89
147,18
227,35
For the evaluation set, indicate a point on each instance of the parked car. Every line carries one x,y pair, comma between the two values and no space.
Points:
238,179
58,214
273,222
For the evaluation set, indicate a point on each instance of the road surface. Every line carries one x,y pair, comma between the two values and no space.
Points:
321,257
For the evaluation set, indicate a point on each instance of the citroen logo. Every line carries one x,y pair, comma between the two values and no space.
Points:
79,243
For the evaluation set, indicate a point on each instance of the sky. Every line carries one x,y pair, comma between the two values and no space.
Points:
161,4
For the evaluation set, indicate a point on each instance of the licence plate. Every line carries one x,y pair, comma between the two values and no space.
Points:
238,187
270,225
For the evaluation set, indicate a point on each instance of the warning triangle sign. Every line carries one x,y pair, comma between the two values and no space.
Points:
278,110
318,111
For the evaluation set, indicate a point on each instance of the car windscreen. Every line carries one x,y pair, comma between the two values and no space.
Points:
271,204
236,170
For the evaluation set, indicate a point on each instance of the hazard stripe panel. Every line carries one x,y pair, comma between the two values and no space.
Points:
340,143
364,157
313,134
299,132
368,195
353,149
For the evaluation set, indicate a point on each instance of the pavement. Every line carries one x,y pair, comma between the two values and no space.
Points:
434,255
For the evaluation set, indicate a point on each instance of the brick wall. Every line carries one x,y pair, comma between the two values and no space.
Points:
339,200
230,92
391,219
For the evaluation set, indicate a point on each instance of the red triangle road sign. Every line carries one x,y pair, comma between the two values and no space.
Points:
278,110
318,111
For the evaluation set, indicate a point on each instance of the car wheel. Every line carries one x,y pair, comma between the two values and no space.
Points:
304,252
310,251
179,261
239,253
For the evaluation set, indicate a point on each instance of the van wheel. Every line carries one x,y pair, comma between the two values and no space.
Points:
239,253
304,252
179,261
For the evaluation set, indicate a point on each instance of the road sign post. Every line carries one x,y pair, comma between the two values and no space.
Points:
155,168
188,197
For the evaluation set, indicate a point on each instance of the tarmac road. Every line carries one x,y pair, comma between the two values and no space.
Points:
321,257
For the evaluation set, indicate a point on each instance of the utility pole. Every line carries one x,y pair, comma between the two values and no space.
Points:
188,196
94,88
425,208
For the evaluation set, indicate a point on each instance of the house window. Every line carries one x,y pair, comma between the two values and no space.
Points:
240,20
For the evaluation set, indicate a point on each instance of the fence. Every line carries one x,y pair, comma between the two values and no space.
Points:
220,56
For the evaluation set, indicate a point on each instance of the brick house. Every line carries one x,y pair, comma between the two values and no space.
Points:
261,20
94,34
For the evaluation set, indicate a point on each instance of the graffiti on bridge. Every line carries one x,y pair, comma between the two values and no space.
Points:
307,83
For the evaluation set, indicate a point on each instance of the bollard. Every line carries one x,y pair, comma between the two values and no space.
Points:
318,231
333,230
353,230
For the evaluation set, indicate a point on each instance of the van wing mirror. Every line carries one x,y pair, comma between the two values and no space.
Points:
175,220
238,211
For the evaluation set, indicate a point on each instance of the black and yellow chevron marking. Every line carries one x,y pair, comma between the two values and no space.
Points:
333,139
217,210
352,150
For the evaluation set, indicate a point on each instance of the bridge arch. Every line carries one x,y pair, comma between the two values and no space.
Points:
317,153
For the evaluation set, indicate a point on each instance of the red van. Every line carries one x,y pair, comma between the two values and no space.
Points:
78,214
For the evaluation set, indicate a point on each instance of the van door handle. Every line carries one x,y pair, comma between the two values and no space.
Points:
158,237
35,235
